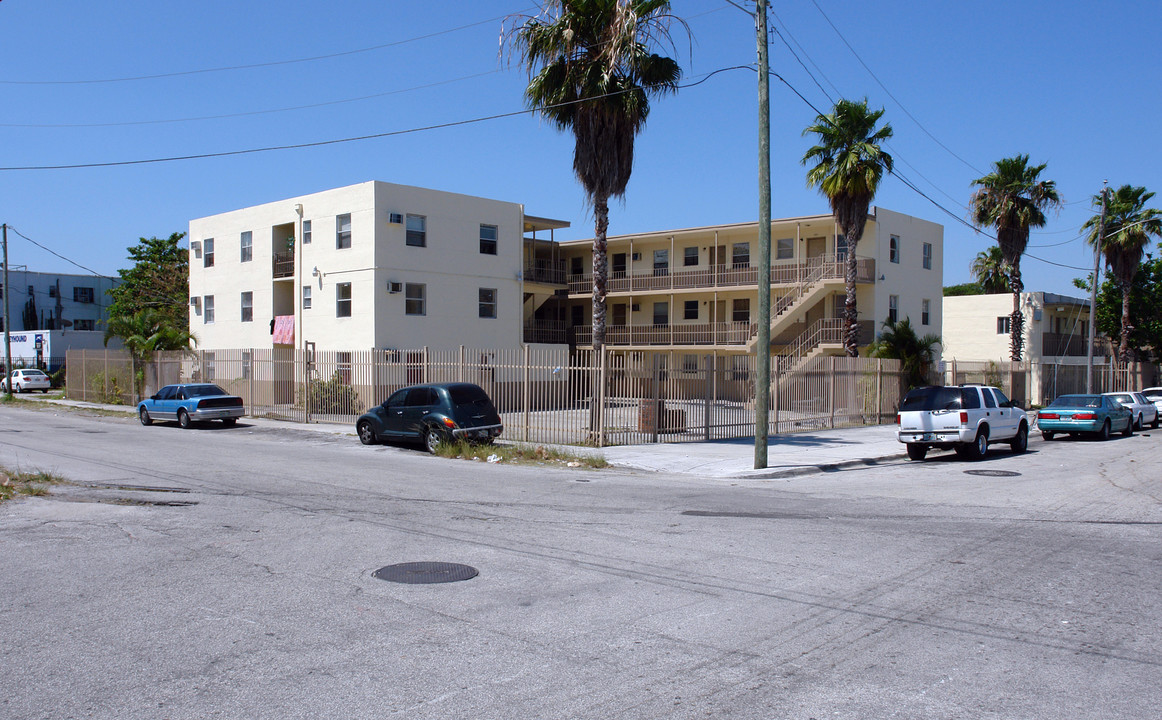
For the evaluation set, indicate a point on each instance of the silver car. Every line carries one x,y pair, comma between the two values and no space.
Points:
1142,410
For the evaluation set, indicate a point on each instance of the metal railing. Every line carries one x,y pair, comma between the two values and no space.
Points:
283,264
723,276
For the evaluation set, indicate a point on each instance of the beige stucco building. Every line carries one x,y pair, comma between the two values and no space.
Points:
368,266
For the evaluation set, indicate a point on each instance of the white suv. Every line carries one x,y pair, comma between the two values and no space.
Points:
965,418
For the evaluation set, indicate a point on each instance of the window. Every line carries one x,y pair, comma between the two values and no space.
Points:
52,291
689,363
343,300
342,231
575,266
415,295
618,315
989,400
417,231
488,239
740,310
840,247
306,297
306,232
487,302
84,325
785,249
577,315
690,311
619,264
925,305
247,246
246,364
690,256
661,313
208,252
1004,325
927,256
208,309
81,294
661,262
740,255
893,308
247,307
894,249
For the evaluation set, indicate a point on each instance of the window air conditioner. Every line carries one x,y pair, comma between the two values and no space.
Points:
394,287
196,246
637,256
395,218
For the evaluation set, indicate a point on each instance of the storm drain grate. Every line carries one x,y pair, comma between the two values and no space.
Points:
421,573
992,473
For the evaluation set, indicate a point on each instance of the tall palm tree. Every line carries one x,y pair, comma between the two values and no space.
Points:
916,354
988,267
143,333
1128,227
1012,199
849,164
592,72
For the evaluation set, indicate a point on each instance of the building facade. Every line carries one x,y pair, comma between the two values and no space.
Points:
369,266
694,290
54,301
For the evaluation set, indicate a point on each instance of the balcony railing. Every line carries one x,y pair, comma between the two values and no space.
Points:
722,276
283,264
542,331
1064,345
545,271
723,333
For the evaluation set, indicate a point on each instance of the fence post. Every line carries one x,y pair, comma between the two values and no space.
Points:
426,370
525,392
879,390
599,393
777,374
706,363
831,393
656,383
461,378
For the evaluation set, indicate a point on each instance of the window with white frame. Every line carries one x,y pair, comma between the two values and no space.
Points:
661,262
306,232
306,297
925,306
784,248
208,309
1004,325
247,307
740,310
247,246
487,298
343,231
893,308
894,249
740,255
661,313
343,299
927,256
208,252
690,256
488,235
690,310
417,230
415,298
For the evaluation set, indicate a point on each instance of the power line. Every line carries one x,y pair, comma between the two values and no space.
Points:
53,252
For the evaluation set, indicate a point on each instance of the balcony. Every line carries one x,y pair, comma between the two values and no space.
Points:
283,264
722,276
1064,345
722,333
549,272
544,331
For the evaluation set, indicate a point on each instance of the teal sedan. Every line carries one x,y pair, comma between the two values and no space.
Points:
1097,415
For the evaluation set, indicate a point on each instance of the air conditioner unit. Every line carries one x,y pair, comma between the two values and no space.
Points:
196,246
637,256
394,287
635,307
395,218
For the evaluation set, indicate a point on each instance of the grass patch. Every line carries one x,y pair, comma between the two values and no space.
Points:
25,483
520,455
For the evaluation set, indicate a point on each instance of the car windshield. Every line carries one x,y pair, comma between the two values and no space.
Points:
931,398
468,395
204,390
1124,399
1089,401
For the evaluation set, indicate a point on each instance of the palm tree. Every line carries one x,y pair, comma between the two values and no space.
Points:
849,166
1012,199
988,267
143,333
1128,228
916,354
592,72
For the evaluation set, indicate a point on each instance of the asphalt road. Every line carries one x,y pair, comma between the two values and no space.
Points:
913,590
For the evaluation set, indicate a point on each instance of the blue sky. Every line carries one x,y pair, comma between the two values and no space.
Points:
1073,85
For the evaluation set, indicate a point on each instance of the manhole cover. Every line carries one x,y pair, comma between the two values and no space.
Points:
992,473
418,573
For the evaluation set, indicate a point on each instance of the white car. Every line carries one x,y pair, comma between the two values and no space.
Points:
27,380
1154,395
1142,410
964,417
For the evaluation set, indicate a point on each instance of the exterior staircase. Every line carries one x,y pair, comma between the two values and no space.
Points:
816,278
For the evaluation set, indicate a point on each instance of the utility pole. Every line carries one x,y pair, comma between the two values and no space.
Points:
1101,240
7,290
762,387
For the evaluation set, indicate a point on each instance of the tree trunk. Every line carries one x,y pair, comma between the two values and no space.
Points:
600,268
850,311
1017,319
1127,328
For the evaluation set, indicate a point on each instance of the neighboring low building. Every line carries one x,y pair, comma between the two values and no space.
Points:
54,301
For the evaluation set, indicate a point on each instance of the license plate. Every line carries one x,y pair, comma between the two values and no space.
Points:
928,437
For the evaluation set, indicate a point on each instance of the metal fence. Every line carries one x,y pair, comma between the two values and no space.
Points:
550,395
1038,383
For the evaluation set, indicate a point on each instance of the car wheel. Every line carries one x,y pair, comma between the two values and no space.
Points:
143,416
366,433
229,422
1020,443
1047,434
45,391
979,448
1138,422
1104,433
1129,428
432,438
1155,423
917,451
184,419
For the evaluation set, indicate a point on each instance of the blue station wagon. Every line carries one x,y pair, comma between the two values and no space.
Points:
191,403
432,414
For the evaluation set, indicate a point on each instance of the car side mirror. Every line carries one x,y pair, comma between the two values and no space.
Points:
153,396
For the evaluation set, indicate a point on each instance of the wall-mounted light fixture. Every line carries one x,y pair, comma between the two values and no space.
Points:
881,277
315,272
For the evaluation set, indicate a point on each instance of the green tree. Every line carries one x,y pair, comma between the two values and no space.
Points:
849,164
1145,336
899,341
1012,199
1129,225
158,281
970,288
592,72
143,333
988,267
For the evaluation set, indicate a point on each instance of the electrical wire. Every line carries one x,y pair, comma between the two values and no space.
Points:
53,252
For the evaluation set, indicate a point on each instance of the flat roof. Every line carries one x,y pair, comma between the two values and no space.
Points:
534,223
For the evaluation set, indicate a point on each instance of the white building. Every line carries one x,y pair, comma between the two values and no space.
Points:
368,266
